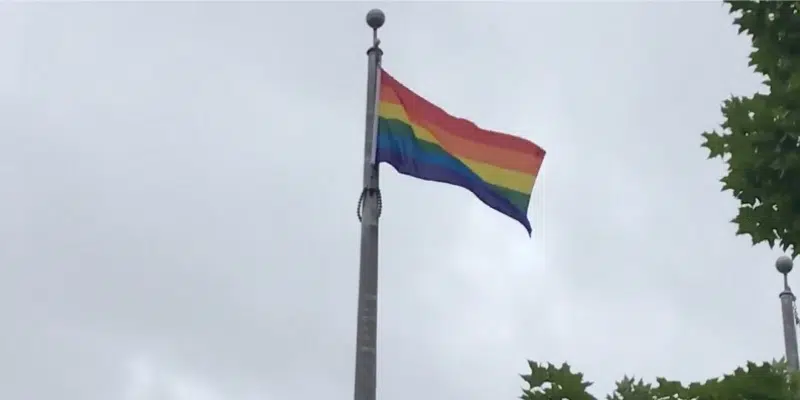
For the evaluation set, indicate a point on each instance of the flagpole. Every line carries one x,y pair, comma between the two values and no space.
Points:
784,265
369,210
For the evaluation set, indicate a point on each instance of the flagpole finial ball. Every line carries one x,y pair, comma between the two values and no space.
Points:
784,264
375,18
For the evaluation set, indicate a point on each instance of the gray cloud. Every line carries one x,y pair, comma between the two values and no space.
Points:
179,184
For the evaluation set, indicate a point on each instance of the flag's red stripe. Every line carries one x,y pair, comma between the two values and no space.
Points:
425,113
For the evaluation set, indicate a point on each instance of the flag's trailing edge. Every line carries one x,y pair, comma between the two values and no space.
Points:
420,139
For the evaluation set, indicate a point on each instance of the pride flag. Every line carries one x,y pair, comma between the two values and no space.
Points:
421,140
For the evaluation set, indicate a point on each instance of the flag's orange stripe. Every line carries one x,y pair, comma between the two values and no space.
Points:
425,113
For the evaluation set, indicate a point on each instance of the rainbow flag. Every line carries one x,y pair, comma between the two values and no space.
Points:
421,140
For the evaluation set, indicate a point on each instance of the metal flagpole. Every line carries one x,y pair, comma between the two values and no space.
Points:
784,265
369,210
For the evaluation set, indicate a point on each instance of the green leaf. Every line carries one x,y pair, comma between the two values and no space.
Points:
546,382
715,144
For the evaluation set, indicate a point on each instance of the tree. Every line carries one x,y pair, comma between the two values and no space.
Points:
759,139
766,381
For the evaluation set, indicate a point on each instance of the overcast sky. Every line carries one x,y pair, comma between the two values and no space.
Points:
179,187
